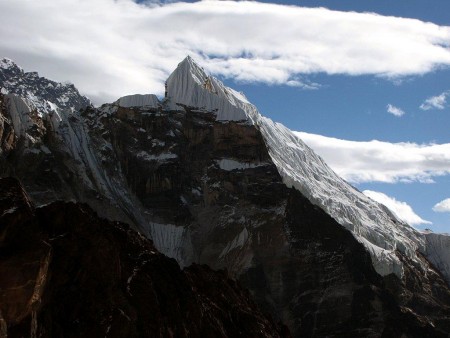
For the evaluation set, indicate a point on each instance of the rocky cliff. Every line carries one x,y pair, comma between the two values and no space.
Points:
67,273
211,181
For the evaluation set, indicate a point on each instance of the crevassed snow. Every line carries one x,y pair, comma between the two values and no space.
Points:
191,86
372,225
138,100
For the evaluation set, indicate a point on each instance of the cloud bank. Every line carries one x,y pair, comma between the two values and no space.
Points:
401,209
111,48
442,206
376,161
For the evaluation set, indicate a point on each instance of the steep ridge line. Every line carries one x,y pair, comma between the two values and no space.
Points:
371,223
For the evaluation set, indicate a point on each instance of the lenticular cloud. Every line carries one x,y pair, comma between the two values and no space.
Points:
376,161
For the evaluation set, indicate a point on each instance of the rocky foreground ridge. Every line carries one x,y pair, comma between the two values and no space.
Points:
68,273
211,181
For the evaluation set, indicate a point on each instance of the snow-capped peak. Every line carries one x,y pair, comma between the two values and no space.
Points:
190,85
371,224
40,93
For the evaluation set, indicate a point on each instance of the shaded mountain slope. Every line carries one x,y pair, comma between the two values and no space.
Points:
67,273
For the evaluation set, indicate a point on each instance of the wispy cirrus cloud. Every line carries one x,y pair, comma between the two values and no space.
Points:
395,110
112,48
436,102
401,209
376,161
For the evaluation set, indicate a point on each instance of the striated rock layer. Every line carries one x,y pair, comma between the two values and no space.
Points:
213,182
67,273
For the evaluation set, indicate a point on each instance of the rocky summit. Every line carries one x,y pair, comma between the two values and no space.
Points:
210,181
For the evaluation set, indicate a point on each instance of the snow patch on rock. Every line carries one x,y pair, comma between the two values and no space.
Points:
144,101
171,240
230,164
160,157
238,242
6,63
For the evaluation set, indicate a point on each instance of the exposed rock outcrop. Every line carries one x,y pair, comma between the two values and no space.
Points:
231,210
67,273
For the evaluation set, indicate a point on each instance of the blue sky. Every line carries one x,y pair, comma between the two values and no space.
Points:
332,72
354,107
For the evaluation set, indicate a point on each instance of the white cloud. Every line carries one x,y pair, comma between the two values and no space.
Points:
442,206
395,110
436,102
401,209
376,161
111,48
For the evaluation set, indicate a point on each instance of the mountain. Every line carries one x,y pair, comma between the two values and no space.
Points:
44,94
211,181
67,273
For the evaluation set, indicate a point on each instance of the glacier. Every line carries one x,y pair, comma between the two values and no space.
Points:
138,100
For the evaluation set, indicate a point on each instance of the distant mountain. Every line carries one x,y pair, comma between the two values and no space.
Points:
44,94
211,181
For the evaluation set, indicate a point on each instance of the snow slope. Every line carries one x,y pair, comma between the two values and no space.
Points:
137,100
438,251
191,86
371,223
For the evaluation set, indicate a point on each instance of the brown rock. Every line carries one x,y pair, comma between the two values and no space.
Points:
67,273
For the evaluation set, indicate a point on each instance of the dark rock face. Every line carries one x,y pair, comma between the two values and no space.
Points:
299,264
340,294
67,273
